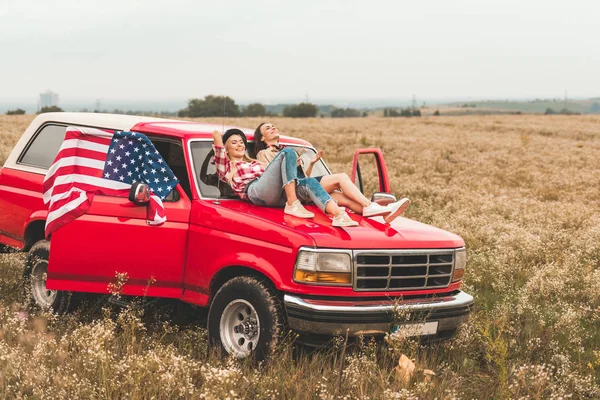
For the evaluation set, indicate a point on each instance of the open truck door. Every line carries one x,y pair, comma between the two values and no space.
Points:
372,158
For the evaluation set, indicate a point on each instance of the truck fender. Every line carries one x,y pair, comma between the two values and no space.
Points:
247,260
34,228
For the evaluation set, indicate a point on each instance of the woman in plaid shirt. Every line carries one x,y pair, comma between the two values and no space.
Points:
276,185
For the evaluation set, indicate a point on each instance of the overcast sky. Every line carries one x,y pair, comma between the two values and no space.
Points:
273,50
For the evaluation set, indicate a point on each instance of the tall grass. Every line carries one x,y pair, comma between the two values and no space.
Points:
521,190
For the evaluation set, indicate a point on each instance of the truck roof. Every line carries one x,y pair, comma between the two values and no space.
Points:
163,126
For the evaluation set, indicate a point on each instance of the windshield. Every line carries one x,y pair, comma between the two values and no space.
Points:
205,173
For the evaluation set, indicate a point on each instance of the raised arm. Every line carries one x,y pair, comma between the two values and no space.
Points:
217,138
222,164
312,162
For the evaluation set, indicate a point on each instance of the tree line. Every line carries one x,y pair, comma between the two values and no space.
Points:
219,106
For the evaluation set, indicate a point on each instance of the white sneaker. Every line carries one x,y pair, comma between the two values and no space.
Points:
297,210
396,209
375,210
343,219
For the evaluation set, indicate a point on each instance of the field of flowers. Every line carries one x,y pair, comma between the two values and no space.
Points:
524,193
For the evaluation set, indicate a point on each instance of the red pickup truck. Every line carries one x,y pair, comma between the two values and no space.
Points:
259,271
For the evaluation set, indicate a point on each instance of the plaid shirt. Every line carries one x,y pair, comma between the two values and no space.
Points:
243,173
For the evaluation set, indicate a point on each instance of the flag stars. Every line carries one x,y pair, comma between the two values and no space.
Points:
107,175
150,162
121,146
128,153
118,158
115,170
163,169
153,171
136,149
109,162
129,173
156,180
121,178
113,151
166,179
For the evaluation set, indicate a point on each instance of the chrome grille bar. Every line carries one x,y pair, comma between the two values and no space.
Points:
390,270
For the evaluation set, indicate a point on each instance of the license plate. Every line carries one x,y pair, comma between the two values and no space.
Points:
421,329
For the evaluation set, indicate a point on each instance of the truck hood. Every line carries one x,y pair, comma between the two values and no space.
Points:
371,233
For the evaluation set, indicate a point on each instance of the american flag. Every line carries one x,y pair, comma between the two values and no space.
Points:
93,161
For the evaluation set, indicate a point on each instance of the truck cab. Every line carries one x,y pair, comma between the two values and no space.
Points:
259,271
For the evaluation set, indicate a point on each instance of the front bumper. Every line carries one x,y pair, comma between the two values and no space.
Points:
336,317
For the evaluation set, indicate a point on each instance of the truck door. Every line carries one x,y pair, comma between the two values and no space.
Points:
113,238
369,174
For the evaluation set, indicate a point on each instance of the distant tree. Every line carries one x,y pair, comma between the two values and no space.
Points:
302,110
365,114
406,112
50,109
210,106
385,112
345,113
436,113
255,110
393,113
18,111
416,112
566,111
549,111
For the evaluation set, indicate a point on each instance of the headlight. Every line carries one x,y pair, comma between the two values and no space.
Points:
326,267
460,262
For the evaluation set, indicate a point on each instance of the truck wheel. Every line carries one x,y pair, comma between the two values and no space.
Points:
36,272
245,318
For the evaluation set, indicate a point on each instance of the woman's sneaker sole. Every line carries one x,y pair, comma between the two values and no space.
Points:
398,211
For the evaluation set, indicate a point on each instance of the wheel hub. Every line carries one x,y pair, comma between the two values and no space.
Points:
239,328
39,274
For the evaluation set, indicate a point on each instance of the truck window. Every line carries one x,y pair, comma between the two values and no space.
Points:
43,148
172,153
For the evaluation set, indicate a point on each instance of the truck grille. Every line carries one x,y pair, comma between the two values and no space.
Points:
402,270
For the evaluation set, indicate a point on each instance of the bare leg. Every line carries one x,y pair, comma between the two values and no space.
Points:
332,208
344,201
342,181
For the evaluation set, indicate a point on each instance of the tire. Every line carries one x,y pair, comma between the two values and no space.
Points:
246,319
36,271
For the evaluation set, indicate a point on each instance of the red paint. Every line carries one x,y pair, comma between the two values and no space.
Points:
384,183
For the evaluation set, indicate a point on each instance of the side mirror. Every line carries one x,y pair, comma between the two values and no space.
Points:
383,198
139,194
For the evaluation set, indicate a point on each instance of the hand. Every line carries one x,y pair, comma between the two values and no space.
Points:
317,157
299,162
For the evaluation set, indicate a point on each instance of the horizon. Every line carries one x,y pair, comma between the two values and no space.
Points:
173,104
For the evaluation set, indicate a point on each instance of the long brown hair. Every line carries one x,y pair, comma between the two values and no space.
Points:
258,142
